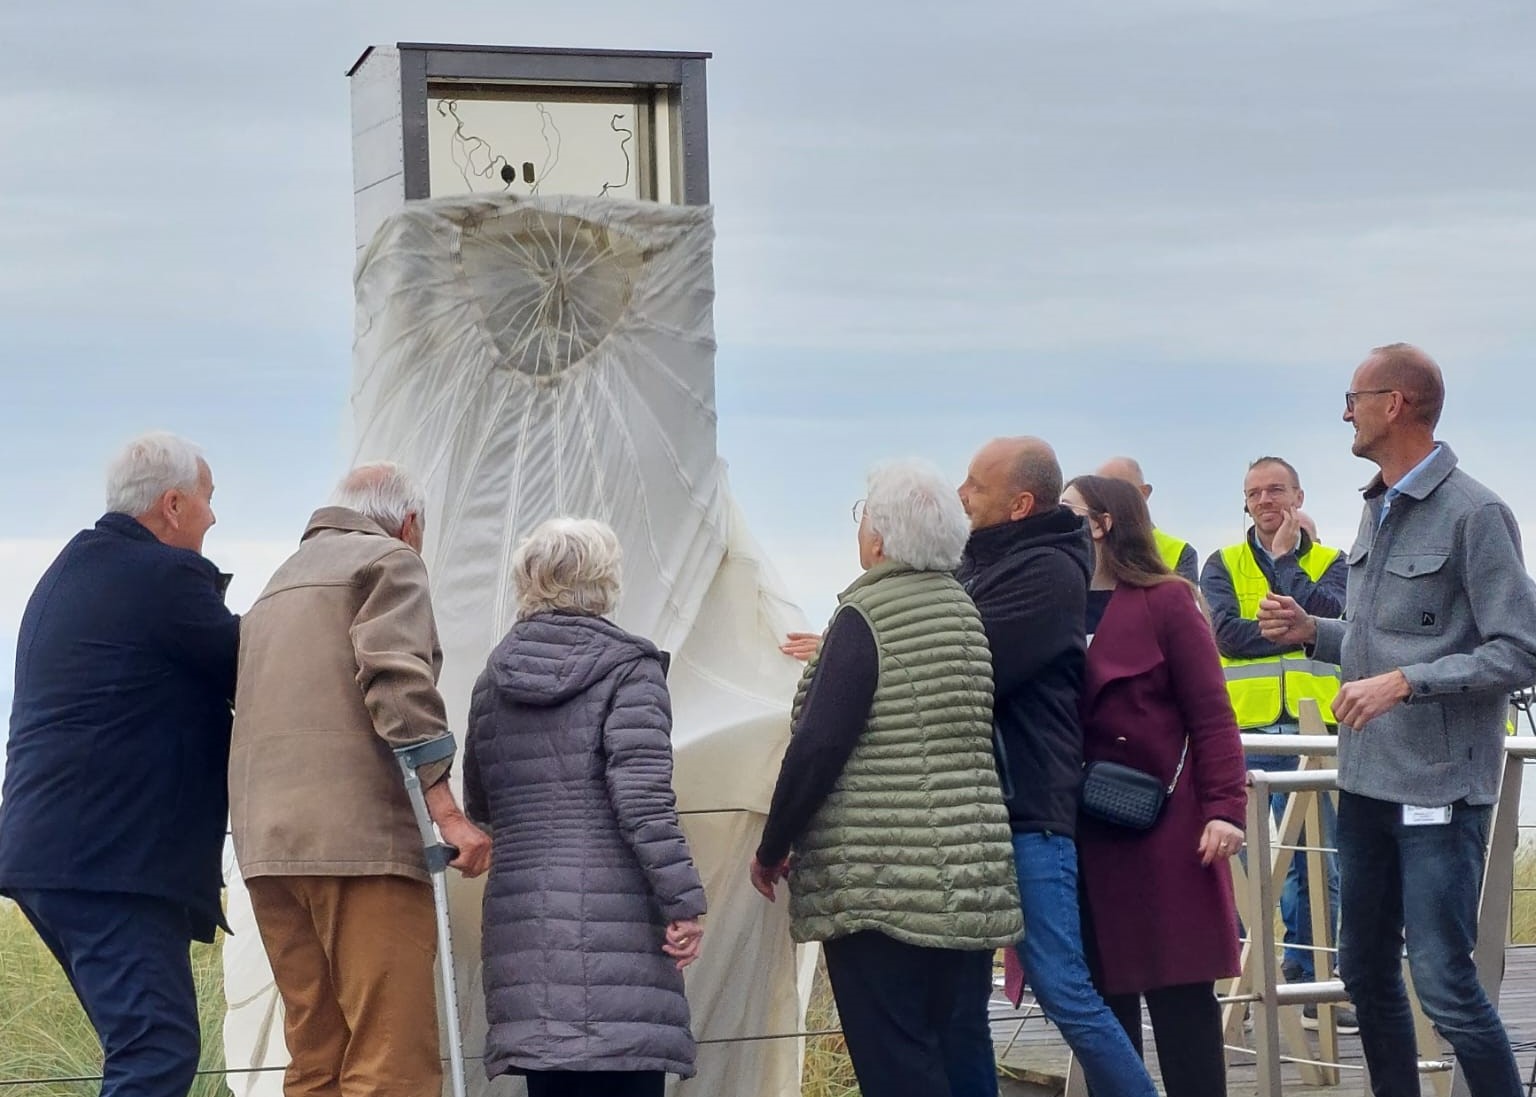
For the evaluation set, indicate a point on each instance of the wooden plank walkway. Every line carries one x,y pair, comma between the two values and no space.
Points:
1038,1057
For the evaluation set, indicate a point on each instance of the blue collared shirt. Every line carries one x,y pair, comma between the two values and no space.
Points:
1402,485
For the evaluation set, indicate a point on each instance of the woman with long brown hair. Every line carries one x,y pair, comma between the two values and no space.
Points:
1157,727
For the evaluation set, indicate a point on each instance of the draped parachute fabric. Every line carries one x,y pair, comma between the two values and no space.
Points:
533,357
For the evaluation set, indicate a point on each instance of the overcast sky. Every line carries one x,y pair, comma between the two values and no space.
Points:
1169,228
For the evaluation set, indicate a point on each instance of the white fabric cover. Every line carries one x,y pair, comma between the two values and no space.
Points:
531,357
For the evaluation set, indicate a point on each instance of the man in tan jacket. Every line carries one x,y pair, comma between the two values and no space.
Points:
338,667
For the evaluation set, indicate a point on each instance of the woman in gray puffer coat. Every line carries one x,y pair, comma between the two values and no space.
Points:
592,906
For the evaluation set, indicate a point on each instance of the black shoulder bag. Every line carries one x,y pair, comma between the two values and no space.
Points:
1124,796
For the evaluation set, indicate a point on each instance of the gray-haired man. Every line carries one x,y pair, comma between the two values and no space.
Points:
112,821
338,666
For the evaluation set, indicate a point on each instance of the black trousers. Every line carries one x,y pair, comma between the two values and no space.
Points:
1186,1023
127,958
596,1083
895,1001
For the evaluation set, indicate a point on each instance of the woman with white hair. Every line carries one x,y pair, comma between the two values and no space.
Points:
888,796
593,904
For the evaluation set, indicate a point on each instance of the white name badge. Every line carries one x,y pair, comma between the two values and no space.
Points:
1426,817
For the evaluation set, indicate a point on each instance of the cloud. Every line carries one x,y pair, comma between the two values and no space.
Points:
1168,229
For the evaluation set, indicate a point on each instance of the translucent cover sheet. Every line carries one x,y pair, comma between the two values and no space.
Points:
531,357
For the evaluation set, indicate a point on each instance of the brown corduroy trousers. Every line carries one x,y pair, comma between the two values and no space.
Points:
353,959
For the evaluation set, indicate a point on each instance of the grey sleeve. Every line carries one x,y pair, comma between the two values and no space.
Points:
1503,600
476,804
1329,647
637,740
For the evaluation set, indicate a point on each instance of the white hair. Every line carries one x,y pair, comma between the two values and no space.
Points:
570,564
382,491
917,514
147,468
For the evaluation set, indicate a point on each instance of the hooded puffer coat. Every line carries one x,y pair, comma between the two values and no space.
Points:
568,760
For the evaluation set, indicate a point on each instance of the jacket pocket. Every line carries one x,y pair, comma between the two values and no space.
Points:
1413,594
1421,734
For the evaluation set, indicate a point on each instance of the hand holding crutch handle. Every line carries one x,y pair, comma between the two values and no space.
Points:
411,759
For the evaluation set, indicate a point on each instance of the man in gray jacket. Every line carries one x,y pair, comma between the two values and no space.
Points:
1439,627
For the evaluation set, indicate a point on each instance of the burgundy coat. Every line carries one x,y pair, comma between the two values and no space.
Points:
1158,918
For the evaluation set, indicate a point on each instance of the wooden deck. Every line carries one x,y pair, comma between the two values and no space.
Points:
1037,1058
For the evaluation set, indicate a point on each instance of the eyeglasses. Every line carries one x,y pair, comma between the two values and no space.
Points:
858,512
1349,397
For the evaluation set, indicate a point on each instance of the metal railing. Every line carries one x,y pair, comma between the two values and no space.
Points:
1270,855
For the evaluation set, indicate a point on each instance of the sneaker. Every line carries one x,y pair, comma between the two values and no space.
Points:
1291,972
1344,1019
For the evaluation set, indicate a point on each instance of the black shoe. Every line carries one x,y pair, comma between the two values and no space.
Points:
1344,1020
1291,972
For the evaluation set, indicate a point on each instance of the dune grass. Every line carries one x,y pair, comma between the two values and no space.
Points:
44,1033
828,1070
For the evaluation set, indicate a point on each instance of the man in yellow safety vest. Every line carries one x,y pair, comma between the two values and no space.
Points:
1180,556
1267,683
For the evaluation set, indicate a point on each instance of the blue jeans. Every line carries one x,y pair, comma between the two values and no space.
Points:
1054,963
1295,895
1057,970
1423,881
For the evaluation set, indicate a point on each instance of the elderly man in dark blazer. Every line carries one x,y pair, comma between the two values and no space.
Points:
114,806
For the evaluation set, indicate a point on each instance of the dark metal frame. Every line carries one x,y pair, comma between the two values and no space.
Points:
673,78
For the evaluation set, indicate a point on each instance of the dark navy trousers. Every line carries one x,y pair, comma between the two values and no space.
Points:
128,959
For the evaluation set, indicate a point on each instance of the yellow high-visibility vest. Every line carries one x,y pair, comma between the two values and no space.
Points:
1169,548
1261,689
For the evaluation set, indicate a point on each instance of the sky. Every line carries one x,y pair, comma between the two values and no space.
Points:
1169,229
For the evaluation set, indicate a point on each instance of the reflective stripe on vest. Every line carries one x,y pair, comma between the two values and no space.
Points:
1169,548
1262,689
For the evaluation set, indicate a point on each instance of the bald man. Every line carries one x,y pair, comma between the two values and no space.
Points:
1180,556
1026,566
1439,628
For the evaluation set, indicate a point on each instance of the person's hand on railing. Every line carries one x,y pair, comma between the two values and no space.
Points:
1218,841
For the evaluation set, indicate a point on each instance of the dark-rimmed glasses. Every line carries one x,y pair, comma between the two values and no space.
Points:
1349,397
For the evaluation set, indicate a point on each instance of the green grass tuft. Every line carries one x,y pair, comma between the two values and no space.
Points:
44,1032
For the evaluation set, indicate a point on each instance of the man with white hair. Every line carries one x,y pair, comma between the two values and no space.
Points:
112,817
1179,555
339,661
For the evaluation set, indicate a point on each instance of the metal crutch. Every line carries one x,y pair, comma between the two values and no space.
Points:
438,854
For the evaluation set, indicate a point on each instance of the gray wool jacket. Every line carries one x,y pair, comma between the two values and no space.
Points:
568,760
1439,591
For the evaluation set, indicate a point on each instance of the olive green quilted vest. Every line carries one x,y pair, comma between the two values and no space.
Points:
914,839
